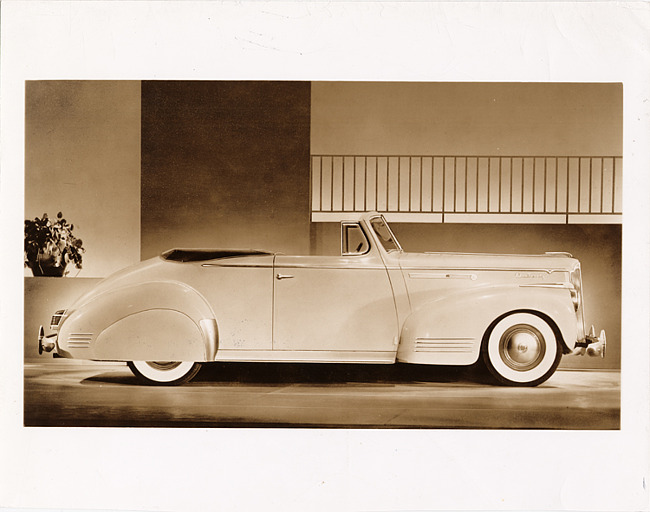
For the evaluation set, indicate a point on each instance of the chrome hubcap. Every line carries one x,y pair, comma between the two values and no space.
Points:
522,347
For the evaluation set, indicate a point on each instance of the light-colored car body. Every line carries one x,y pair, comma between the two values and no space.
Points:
374,303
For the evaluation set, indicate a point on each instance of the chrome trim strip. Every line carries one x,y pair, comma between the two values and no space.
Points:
425,275
458,350
445,269
332,267
444,345
564,286
499,254
325,356
445,348
254,265
297,265
327,267
483,269
444,339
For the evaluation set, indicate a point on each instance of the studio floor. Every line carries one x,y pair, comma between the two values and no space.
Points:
70,393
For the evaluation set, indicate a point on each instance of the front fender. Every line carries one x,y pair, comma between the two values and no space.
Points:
449,329
156,320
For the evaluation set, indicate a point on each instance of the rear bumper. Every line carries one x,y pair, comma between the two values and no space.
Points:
592,345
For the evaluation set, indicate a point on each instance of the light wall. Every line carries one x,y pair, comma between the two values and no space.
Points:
82,157
425,118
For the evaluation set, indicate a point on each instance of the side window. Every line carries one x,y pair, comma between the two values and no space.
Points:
353,240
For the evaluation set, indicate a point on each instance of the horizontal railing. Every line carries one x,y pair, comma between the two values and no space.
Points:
488,185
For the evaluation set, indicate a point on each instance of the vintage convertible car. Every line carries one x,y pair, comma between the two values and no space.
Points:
375,303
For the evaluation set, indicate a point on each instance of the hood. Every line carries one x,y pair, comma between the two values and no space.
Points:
452,260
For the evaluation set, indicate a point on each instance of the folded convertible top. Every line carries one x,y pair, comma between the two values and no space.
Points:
188,255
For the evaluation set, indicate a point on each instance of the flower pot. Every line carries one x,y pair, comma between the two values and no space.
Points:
46,265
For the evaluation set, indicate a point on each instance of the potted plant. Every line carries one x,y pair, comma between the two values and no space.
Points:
50,246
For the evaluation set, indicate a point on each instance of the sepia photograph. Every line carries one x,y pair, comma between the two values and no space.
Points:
323,254
342,256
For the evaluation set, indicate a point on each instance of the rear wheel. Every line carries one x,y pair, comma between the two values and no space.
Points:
164,373
521,350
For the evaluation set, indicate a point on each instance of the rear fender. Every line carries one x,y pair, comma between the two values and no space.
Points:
157,320
450,329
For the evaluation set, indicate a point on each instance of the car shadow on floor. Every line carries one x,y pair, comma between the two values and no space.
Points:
318,373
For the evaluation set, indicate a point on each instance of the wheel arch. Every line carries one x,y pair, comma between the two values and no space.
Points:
139,321
470,314
552,324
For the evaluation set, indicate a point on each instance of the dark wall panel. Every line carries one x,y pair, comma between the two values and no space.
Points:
225,164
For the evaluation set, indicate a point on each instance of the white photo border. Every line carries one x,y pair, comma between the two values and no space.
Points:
298,469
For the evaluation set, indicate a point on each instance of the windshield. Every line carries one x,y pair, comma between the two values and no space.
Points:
384,234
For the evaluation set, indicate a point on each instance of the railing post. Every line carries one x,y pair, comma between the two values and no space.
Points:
318,196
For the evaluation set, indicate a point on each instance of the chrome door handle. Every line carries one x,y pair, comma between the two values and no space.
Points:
283,276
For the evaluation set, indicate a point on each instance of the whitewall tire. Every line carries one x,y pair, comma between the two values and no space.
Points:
521,350
165,373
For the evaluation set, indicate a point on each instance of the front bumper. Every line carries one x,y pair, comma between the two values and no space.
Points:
592,345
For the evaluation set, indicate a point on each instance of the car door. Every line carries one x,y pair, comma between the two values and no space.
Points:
240,292
341,305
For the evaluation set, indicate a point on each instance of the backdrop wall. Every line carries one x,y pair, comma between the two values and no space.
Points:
225,164
82,157
406,118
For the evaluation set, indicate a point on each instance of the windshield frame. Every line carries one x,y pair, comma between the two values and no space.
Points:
379,237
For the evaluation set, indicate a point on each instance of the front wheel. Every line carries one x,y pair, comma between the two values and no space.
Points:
164,373
521,350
